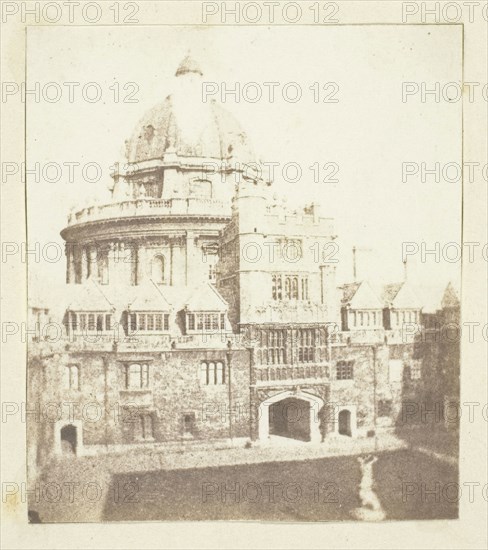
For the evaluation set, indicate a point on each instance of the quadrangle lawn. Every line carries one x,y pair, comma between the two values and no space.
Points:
324,489
409,485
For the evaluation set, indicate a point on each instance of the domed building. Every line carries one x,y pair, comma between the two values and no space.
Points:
200,309
160,230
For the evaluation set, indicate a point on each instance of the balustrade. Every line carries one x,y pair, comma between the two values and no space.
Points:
150,207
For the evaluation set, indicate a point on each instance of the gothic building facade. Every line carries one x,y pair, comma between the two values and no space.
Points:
200,309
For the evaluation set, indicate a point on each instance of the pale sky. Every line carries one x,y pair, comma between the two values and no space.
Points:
369,133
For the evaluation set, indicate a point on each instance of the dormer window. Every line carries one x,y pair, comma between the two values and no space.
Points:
149,132
89,322
148,323
205,322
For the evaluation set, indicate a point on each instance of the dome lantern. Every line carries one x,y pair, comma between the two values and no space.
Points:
185,125
188,65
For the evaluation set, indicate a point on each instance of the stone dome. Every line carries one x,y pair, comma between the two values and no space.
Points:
187,125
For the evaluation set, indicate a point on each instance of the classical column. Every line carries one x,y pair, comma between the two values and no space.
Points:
93,258
134,263
112,262
189,257
102,264
123,263
70,263
141,263
84,263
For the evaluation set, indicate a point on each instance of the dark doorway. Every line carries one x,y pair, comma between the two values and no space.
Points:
345,423
69,440
290,417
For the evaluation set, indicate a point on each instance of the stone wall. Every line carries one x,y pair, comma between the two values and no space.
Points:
106,412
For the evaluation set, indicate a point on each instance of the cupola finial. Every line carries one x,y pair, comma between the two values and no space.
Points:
188,65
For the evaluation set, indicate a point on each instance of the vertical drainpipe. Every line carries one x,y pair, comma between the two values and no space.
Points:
105,398
374,397
252,382
229,381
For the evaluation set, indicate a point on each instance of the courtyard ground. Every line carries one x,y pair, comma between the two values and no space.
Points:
295,488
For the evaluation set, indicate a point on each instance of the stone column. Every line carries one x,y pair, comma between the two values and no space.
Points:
113,262
123,263
84,263
70,263
103,264
189,258
134,261
93,256
141,263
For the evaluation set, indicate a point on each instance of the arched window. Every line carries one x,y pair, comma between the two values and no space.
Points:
294,292
288,288
211,373
189,424
273,287
158,270
220,374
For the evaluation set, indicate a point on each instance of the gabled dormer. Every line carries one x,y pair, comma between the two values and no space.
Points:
89,310
361,308
400,305
147,311
205,311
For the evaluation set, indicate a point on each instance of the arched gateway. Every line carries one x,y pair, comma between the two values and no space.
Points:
291,414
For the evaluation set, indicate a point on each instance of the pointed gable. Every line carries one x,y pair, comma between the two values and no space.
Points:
348,291
188,65
450,297
206,298
400,296
389,293
360,296
88,297
148,297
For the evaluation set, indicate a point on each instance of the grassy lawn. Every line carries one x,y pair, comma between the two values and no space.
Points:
438,440
395,470
324,489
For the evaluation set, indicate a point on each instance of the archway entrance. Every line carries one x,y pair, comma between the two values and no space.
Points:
345,423
290,418
294,415
69,440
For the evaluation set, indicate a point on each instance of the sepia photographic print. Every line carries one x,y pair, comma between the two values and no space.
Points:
244,272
